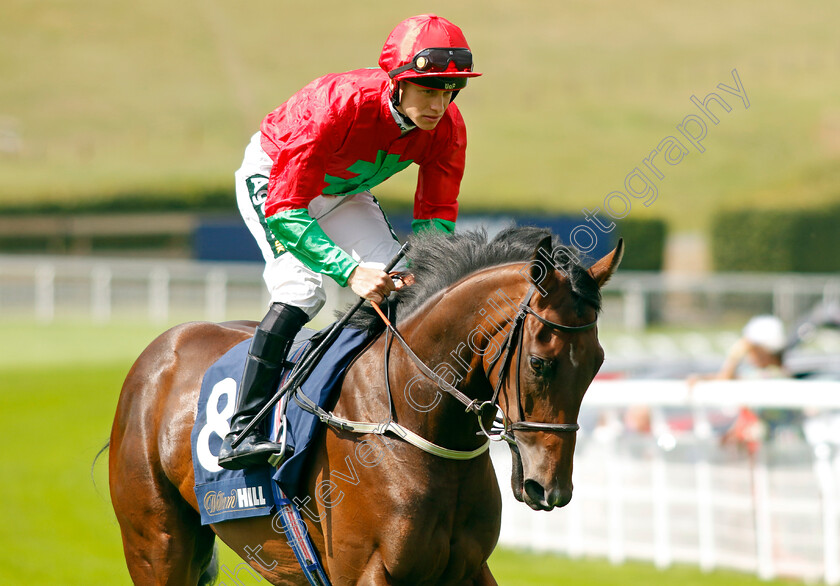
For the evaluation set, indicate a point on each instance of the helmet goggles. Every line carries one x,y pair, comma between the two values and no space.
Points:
437,60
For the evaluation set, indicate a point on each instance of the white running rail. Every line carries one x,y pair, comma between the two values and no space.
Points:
671,491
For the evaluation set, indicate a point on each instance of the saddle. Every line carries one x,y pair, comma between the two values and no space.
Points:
231,494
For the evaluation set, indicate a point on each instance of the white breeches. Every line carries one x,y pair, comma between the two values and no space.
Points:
355,223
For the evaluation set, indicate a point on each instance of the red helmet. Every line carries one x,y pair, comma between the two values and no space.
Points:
428,50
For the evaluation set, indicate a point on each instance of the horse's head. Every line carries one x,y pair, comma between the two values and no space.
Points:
554,355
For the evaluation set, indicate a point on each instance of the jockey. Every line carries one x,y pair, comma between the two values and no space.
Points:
303,191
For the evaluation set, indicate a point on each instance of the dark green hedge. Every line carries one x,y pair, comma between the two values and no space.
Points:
806,241
214,200
644,242
209,200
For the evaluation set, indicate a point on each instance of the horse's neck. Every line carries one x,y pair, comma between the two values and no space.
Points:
454,335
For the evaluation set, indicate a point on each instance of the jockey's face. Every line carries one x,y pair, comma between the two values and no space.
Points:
424,106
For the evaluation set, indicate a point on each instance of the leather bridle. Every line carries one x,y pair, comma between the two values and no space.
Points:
512,345
502,427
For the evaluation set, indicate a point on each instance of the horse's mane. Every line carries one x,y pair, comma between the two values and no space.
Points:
439,260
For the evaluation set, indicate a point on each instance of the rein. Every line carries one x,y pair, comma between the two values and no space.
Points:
502,426
333,420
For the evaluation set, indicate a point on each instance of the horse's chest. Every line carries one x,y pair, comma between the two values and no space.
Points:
442,535
417,519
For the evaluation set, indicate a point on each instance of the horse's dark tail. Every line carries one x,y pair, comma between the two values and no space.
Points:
101,451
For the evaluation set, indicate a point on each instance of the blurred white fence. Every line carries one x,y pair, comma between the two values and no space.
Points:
102,289
674,492
159,291
714,297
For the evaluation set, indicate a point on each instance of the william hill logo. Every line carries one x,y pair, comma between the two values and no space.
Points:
217,502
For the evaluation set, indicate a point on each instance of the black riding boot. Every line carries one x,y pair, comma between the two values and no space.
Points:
263,367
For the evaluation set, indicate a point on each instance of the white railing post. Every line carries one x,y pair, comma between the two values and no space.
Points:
635,310
615,491
703,478
216,295
100,293
45,293
762,512
574,534
784,300
831,292
832,556
159,295
824,473
659,490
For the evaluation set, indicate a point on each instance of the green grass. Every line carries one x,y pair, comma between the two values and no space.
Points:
58,390
112,98
58,528
73,343
529,569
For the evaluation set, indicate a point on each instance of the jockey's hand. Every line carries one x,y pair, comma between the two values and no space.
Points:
371,283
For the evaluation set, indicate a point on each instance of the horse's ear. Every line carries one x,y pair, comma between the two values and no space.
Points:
540,266
542,253
602,270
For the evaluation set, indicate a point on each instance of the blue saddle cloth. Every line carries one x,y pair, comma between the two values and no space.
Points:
235,494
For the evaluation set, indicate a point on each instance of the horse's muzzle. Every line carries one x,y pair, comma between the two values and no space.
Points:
536,497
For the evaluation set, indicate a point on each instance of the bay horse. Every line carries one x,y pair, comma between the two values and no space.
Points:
413,517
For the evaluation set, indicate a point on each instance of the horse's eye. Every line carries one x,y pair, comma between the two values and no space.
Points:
537,364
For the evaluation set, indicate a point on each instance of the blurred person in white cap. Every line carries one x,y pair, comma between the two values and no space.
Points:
759,353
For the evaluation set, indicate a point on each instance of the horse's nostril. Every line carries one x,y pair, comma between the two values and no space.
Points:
556,497
535,491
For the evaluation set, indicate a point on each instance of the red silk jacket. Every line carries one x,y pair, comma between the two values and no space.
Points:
337,136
